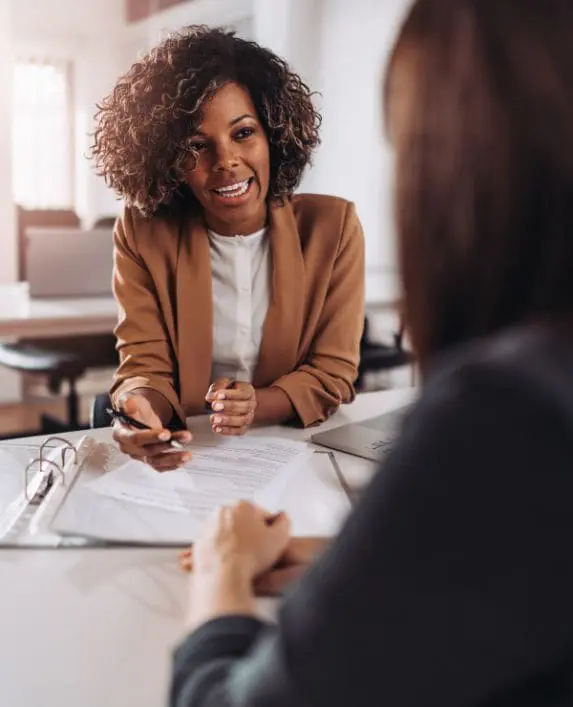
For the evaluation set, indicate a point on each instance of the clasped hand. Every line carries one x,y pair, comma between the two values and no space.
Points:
233,404
246,537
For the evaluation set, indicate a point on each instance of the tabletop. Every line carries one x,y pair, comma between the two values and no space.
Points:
90,626
25,316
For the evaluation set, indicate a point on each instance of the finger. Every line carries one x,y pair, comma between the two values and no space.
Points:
301,551
182,436
275,582
127,441
147,438
219,384
169,460
236,394
231,431
234,407
154,450
279,529
186,561
127,432
231,420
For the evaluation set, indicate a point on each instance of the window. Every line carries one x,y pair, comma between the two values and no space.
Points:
42,135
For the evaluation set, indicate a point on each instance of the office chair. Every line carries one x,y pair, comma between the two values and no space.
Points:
105,222
98,415
376,357
63,359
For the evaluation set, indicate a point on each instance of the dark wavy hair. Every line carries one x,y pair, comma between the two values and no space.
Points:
141,139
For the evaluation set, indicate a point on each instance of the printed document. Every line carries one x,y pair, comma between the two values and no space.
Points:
237,469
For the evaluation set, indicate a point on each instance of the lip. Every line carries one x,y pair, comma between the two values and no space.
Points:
229,183
232,199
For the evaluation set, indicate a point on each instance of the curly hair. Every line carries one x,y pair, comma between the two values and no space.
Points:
141,139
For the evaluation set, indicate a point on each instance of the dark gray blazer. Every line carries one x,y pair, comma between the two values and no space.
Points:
452,583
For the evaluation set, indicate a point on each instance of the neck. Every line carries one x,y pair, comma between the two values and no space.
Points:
235,228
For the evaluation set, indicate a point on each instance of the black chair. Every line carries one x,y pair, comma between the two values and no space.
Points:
105,222
98,415
63,359
375,357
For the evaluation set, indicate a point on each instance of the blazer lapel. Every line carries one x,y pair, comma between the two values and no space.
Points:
282,330
194,314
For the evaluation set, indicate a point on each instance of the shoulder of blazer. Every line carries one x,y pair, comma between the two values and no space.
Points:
153,234
321,216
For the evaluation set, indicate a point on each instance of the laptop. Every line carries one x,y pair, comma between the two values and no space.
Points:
370,439
69,262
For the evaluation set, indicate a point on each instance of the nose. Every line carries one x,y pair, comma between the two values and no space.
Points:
225,157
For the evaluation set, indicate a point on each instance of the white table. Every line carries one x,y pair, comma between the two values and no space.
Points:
25,316
100,624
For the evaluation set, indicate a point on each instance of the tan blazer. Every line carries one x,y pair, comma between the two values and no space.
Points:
311,336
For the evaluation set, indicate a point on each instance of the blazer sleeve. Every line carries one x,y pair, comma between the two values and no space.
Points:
450,584
146,357
326,378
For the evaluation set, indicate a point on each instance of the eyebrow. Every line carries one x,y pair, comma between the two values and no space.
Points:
241,117
234,121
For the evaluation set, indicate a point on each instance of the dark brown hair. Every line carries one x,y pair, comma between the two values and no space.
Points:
143,126
484,180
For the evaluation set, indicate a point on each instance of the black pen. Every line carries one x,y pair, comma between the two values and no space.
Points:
132,422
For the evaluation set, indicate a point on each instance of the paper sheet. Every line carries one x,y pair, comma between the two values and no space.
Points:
244,468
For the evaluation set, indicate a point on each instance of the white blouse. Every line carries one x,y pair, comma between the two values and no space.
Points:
241,271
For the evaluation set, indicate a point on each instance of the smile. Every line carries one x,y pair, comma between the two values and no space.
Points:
232,191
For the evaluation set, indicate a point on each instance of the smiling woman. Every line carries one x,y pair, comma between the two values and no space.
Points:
232,291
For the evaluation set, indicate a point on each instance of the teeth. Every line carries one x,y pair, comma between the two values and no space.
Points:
237,189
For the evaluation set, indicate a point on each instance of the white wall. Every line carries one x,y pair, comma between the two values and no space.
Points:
291,28
65,20
340,48
8,256
230,13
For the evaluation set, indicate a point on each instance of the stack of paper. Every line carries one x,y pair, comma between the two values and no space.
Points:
134,503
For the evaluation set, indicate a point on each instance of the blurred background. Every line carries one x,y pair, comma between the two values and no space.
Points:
58,58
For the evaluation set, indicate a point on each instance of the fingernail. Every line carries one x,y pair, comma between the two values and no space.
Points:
218,430
217,420
218,407
164,436
220,396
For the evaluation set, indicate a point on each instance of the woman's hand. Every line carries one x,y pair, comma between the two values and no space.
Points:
297,558
299,554
149,446
238,544
243,536
233,404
